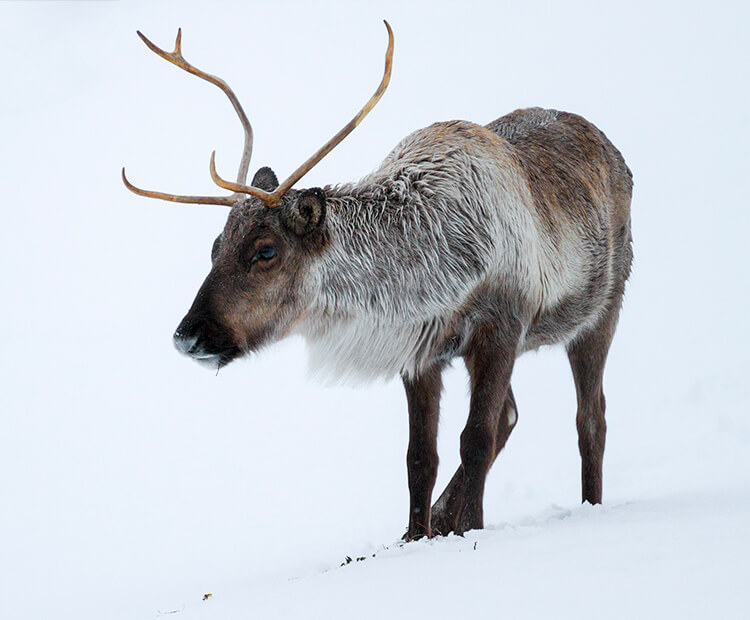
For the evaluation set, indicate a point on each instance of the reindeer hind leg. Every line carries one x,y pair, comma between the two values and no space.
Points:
588,355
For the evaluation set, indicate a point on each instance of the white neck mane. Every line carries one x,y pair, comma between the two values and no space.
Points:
408,247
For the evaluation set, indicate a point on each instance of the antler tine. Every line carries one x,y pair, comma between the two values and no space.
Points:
177,59
226,201
274,198
236,187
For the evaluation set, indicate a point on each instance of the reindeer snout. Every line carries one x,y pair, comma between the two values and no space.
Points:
189,338
205,342
185,343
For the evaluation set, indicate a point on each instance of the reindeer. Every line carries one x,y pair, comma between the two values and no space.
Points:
480,242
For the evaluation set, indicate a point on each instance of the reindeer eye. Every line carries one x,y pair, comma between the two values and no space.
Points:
265,253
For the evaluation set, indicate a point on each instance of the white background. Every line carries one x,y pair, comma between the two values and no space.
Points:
133,482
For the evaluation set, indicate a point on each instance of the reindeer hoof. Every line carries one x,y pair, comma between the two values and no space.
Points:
468,522
442,523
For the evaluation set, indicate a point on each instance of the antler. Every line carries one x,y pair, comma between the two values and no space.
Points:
272,199
176,58
227,201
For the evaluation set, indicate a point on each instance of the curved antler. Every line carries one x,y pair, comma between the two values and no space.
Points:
226,201
274,198
271,199
177,59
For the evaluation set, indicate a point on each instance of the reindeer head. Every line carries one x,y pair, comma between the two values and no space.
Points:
255,291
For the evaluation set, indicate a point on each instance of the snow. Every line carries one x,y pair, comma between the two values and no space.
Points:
133,482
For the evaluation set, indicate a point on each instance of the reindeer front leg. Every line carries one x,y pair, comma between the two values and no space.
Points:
489,360
446,509
423,397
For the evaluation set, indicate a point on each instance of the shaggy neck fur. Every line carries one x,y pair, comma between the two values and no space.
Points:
408,246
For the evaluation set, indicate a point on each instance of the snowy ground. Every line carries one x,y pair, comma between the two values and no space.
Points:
133,482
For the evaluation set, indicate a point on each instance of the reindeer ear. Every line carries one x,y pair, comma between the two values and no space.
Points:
265,179
308,212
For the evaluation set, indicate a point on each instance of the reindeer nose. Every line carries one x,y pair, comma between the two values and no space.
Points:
184,342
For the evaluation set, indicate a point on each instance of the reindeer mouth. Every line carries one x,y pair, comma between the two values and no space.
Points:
209,360
214,361
210,355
